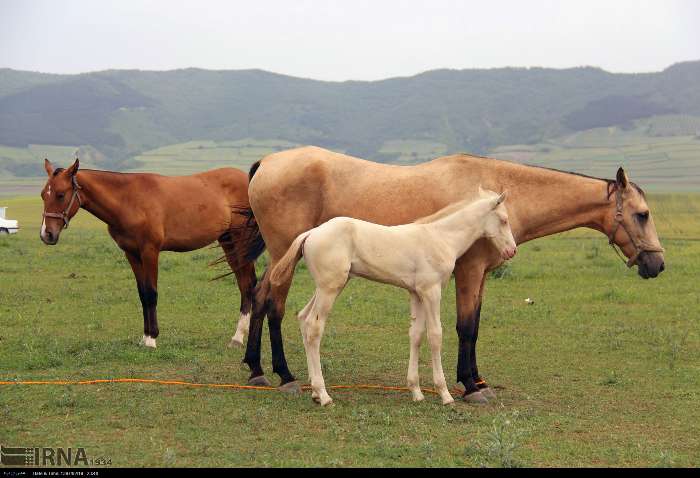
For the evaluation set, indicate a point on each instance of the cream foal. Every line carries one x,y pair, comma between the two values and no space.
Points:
418,257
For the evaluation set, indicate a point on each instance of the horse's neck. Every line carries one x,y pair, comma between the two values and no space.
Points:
460,229
102,194
558,202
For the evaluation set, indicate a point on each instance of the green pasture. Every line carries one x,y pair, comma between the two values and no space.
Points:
603,369
652,157
196,156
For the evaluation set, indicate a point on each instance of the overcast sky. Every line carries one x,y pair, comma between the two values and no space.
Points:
350,39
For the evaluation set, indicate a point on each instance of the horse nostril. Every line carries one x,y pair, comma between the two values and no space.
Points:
662,267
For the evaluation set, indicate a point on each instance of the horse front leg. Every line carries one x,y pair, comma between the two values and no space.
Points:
430,306
149,263
469,278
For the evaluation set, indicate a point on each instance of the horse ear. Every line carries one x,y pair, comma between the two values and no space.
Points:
499,200
73,168
502,197
48,166
621,178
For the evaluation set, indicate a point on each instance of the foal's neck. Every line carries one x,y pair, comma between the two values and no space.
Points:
102,194
460,229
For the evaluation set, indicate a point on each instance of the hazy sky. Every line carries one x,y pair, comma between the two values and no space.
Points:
350,39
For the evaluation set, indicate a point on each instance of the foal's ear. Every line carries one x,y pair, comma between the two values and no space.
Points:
73,168
500,199
621,178
48,167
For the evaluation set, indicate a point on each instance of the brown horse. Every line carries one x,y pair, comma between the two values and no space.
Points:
293,191
149,213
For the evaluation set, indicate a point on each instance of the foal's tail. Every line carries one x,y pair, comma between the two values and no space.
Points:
284,269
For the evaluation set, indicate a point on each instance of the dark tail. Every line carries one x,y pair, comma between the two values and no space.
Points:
256,243
244,241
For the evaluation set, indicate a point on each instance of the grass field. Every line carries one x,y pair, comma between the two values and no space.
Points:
658,161
197,156
604,368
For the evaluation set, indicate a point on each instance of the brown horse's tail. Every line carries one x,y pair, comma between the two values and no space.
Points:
284,269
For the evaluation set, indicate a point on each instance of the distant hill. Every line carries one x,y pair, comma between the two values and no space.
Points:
121,114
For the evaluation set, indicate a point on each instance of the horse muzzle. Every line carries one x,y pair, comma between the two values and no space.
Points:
49,238
650,264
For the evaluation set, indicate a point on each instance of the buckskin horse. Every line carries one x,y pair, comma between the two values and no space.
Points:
418,257
295,190
149,213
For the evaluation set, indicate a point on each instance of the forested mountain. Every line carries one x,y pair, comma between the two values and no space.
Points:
122,112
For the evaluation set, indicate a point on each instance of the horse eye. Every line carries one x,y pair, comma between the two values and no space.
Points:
642,216
60,195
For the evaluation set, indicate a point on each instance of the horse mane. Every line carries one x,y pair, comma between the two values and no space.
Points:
444,212
612,184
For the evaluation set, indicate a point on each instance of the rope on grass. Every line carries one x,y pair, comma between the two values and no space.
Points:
235,386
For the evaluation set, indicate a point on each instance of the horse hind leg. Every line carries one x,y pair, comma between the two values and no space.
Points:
301,317
314,325
415,335
246,281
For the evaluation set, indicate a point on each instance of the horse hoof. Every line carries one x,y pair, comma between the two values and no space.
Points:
476,398
259,381
488,393
326,402
449,401
147,341
235,342
290,387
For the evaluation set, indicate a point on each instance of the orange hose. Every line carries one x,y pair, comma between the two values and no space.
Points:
204,385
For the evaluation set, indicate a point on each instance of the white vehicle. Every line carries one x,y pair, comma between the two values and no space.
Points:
7,226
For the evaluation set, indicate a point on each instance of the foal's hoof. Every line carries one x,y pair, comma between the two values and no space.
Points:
488,393
476,398
259,381
235,342
290,387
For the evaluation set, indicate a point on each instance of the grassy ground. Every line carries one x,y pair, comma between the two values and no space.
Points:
604,368
652,157
196,156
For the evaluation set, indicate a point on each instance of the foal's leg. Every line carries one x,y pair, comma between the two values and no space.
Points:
149,262
315,323
415,334
301,317
135,263
431,307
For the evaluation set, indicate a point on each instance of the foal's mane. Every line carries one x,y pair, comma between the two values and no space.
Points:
444,212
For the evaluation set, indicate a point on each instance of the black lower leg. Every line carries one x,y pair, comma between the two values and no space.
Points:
150,299
279,361
252,351
480,382
144,307
465,332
